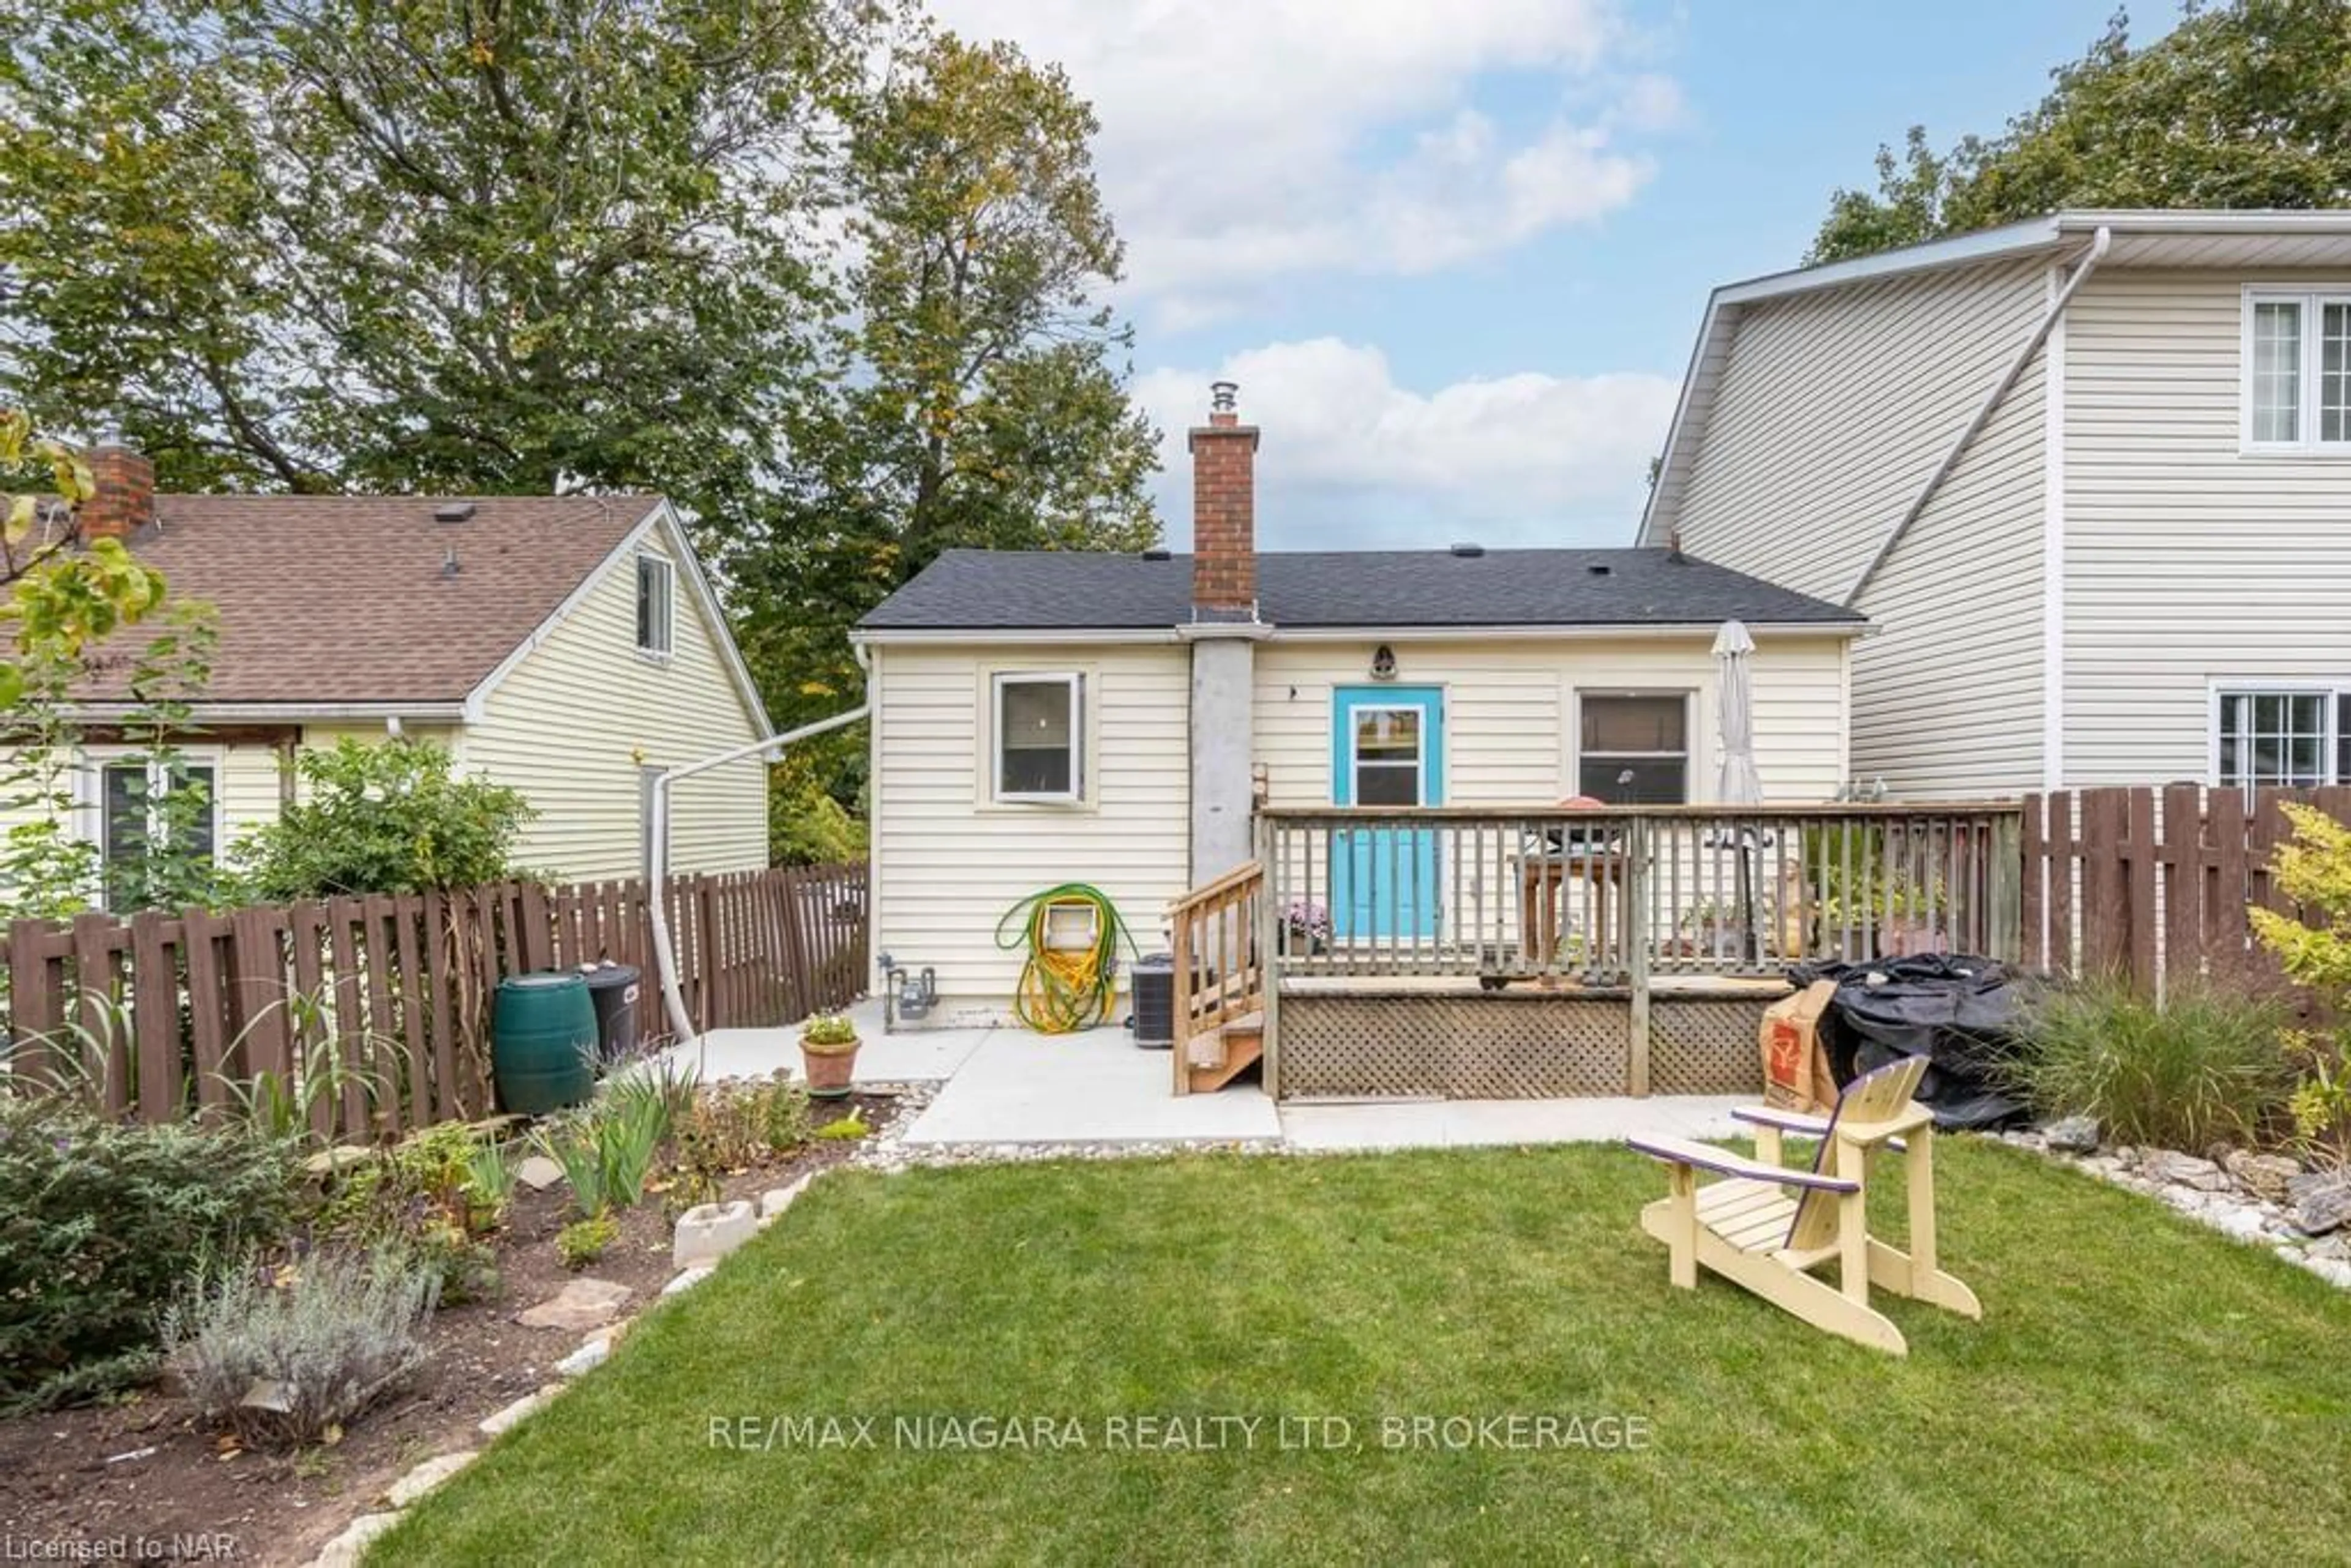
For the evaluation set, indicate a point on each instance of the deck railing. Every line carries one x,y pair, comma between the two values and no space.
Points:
1219,976
1615,896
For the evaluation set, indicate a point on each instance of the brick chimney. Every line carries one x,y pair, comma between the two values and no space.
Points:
1224,512
125,498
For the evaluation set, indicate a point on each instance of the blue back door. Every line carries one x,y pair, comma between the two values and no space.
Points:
1387,748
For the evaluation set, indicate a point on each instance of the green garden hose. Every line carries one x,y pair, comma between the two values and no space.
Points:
1064,990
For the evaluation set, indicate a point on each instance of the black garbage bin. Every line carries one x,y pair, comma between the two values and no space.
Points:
614,988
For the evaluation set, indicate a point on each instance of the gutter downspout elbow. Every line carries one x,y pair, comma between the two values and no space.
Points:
2101,238
681,1022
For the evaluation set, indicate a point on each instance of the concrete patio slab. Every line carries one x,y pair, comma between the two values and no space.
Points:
1469,1124
910,1056
1093,1087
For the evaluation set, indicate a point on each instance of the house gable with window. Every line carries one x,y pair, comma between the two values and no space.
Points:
2088,478
1042,717
561,646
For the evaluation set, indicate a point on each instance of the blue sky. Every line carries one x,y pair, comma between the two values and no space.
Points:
1455,251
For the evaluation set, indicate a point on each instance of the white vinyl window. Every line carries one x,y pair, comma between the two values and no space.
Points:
1039,726
656,597
1633,749
2297,371
126,801
2296,738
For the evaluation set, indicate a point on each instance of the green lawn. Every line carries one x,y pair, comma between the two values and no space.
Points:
2140,1391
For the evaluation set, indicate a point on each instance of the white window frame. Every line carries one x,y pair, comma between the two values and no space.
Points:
663,619
1688,753
2334,694
1080,762
89,793
2313,299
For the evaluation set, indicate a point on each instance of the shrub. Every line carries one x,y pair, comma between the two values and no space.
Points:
425,1197
287,1356
389,817
100,1225
2313,869
583,1241
847,1130
731,1126
2204,1067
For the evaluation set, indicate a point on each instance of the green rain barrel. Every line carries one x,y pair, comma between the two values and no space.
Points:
543,1042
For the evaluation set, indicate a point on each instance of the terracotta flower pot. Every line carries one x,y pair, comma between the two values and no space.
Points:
829,1069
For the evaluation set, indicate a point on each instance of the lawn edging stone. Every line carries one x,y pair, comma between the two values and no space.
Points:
505,1419
2260,1200
708,1231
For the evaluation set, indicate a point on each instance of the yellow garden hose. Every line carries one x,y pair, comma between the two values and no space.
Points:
1063,989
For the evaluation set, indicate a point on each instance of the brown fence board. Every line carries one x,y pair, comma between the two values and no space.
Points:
178,1012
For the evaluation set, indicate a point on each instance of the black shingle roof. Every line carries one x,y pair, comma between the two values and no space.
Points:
1073,590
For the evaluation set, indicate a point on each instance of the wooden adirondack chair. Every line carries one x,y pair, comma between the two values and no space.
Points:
1748,1228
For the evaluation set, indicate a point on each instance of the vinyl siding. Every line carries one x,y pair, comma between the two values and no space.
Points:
572,724
948,861
1947,693
2185,561
1835,408
1509,734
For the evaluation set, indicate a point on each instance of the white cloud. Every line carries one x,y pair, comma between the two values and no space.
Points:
1350,459
1242,144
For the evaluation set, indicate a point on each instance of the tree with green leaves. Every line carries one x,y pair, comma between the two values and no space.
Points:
2242,106
976,393
490,245
65,597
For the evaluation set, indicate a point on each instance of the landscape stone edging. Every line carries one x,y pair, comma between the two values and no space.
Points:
2229,1204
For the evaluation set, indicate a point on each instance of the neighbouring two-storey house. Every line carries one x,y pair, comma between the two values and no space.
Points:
2088,478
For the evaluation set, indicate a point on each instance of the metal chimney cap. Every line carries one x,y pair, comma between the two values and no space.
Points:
1223,396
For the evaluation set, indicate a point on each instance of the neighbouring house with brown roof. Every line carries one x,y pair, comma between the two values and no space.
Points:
561,644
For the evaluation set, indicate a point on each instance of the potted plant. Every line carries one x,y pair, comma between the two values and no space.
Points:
1308,926
829,1049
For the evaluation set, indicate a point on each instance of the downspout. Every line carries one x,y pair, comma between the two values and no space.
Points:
2096,252
657,852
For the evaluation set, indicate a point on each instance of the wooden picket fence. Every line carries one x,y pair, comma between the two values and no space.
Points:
2147,884
385,1001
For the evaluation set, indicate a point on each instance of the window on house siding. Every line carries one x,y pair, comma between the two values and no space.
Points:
1635,750
656,609
1040,722
2297,371
132,818
2292,738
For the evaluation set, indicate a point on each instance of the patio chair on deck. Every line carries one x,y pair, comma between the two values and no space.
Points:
1767,1227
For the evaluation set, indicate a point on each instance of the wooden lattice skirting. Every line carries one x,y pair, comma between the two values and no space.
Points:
1511,1046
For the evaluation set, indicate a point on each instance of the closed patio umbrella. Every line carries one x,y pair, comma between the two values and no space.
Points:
1735,717
1737,784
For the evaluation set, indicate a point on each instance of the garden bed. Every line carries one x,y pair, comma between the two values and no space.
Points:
145,1469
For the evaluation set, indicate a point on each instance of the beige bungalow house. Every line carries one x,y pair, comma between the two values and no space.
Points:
1041,717
2086,475
559,644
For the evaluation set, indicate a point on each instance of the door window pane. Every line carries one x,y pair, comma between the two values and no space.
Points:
1388,756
